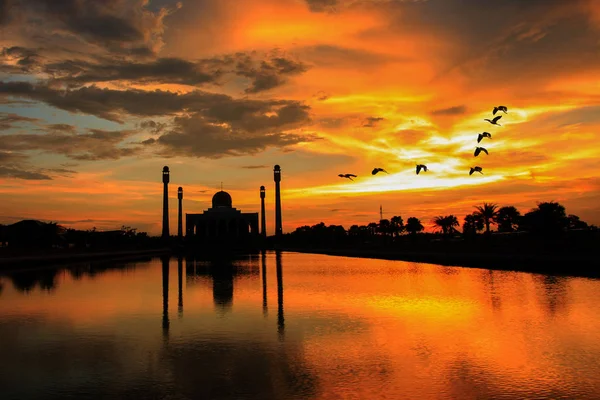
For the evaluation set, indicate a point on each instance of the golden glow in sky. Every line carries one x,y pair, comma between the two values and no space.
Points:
221,91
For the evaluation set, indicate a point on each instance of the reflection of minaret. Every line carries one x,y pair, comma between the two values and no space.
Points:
165,179
277,178
165,284
264,281
280,318
180,284
180,214
263,218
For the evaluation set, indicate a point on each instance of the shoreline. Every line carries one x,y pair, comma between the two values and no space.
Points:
46,260
586,266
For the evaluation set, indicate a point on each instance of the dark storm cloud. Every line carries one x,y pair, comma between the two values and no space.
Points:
264,71
125,26
18,60
227,131
109,104
153,126
112,104
216,125
456,110
95,145
255,116
267,74
162,70
214,142
371,122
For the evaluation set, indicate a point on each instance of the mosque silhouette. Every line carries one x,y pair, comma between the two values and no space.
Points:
221,225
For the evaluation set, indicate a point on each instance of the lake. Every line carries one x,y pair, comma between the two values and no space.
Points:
296,326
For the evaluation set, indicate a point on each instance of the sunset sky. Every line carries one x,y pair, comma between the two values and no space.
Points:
97,96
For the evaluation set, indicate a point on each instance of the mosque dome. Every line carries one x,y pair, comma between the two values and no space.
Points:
221,199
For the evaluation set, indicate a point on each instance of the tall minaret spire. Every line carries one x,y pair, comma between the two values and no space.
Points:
263,218
180,214
380,212
277,178
165,179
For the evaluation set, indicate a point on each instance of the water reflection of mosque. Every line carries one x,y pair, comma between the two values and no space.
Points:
222,272
208,365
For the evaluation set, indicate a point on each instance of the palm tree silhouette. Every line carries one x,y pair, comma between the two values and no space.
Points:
385,227
489,212
446,223
373,228
472,224
413,225
397,225
508,219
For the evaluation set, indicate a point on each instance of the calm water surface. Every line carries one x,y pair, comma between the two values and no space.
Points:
297,326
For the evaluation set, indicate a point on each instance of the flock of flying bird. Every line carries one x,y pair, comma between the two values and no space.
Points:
478,149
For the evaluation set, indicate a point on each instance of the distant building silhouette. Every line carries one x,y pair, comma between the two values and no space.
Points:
263,218
180,214
277,178
165,179
222,224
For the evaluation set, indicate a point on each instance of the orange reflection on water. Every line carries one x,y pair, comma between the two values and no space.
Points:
345,327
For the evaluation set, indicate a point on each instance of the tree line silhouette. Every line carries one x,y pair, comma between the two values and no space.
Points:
545,228
33,234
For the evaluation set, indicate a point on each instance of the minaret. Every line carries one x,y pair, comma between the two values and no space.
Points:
277,178
180,214
165,179
165,285
263,218
264,282
180,286
280,316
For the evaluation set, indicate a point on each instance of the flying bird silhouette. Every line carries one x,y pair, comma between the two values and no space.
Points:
476,169
494,121
479,150
376,170
504,109
421,167
482,135
349,176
